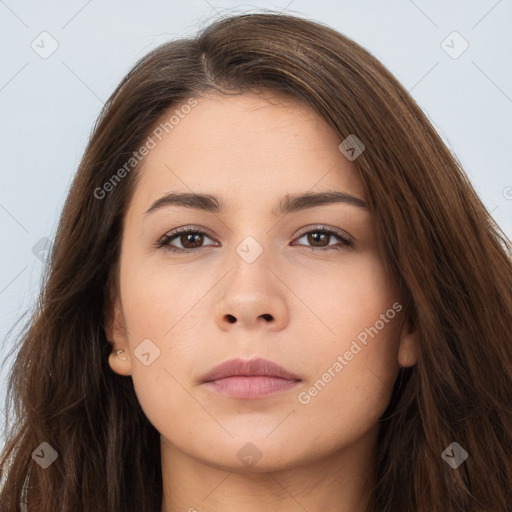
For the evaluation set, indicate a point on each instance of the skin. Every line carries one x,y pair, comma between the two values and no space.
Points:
252,150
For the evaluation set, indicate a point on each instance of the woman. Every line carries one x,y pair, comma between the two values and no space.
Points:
272,288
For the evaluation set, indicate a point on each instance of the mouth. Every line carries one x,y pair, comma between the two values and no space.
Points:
249,379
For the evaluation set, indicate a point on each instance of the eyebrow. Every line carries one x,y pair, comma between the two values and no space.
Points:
288,204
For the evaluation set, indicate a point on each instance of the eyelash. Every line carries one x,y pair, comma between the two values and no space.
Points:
164,242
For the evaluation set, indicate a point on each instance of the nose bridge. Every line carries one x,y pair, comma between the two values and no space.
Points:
251,291
252,236
250,262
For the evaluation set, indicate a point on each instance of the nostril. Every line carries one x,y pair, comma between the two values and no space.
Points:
231,319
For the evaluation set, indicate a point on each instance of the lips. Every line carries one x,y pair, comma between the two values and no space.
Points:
250,379
249,368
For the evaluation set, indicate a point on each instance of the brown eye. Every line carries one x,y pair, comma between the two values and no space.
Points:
194,239
189,239
319,239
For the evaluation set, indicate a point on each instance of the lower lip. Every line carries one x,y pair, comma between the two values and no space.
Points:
251,387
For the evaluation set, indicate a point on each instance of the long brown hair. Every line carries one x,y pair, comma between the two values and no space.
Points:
450,260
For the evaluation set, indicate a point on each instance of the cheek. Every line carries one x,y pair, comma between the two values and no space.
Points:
157,313
348,297
353,367
157,299
349,386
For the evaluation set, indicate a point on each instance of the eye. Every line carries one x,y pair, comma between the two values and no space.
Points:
321,235
191,239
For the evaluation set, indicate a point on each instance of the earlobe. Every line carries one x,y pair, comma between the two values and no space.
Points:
120,362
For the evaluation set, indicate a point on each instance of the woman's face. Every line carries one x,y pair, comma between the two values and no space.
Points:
265,274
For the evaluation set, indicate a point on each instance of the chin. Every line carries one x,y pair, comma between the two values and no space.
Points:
246,456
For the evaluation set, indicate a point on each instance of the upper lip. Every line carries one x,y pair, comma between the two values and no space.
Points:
248,367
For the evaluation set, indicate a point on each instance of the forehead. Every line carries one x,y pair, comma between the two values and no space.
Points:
246,148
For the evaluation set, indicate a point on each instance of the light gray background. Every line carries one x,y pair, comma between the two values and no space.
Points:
48,106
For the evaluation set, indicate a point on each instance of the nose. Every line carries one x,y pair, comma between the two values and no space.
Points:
252,296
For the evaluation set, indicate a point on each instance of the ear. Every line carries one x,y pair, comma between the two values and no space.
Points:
409,348
120,359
